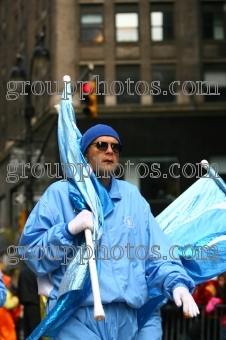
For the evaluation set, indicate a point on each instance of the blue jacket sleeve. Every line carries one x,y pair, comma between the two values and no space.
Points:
164,271
45,240
2,292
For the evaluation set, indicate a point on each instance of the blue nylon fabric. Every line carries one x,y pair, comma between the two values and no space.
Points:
196,218
86,192
153,326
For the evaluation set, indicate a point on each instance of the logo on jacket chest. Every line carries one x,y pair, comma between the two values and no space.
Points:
129,222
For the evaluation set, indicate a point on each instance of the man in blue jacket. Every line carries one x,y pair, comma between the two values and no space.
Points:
134,252
2,292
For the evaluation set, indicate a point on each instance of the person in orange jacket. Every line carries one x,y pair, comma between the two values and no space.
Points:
205,291
7,323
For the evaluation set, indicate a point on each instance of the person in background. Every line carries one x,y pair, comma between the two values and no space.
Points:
7,320
203,294
28,295
220,298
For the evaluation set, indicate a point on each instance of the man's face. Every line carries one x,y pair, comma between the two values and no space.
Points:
102,162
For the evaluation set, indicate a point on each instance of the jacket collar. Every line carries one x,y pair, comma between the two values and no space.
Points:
114,191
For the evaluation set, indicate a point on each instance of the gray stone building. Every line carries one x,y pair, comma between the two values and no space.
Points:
160,71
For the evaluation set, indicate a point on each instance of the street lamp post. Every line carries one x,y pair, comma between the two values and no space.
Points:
40,56
28,114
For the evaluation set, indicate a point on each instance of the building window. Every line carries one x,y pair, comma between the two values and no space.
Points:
126,23
214,88
162,77
213,15
91,23
125,88
102,87
161,19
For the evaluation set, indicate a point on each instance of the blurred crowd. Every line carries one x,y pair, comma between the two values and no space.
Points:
211,294
23,308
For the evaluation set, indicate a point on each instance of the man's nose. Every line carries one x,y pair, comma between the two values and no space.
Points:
109,149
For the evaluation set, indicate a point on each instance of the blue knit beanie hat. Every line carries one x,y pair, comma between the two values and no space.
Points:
96,131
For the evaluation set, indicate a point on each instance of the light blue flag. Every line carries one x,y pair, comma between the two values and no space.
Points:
195,223
86,192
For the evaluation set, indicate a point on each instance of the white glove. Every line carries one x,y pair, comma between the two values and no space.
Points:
81,222
181,296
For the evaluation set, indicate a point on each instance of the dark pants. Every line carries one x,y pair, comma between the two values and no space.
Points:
32,318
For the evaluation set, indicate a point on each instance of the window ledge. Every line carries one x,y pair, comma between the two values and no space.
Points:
214,41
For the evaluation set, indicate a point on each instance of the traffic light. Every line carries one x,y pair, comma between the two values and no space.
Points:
22,220
89,90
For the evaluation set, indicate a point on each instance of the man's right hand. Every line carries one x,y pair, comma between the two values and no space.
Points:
81,222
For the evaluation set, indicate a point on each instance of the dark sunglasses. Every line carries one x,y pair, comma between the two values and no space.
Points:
103,146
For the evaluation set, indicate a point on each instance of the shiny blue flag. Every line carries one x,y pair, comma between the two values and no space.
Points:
86,192
195,223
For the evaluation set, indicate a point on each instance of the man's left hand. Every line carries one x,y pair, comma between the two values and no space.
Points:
181,296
